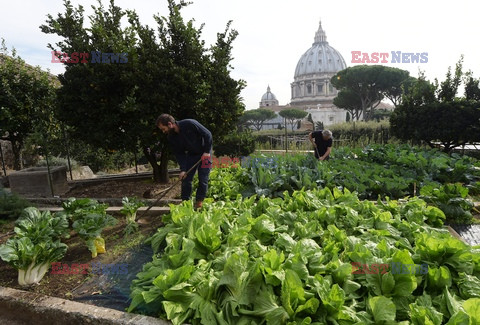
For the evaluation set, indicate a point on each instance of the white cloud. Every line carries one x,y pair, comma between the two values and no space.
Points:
273,34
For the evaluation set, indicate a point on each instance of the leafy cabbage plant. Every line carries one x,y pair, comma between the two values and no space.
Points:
36,244
32,260
90,228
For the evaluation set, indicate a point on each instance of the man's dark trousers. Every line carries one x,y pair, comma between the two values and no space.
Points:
203,173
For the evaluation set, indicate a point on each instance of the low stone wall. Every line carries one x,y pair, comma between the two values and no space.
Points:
34,182
22,307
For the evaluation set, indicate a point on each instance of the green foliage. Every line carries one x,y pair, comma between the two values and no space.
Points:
432,112
237,145
129,210
257,117
41,226
349,101
90,228
32,260
289,261
57,161
89,219
114,106
362,87
130,207
11,205
293,115
386,171
310,119
27,95
36,244
451,199
76,209
372,131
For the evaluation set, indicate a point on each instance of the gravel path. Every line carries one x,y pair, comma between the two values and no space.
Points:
471,233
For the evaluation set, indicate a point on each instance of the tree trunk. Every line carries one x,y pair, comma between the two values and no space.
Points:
160,172
163,168
17,154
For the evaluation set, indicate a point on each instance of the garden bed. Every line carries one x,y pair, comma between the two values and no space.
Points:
63,285
121,188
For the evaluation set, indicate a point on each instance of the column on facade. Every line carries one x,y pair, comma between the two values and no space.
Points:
314,88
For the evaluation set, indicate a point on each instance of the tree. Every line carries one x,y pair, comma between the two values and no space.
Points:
169,70
27,95
310,119
432,113
366,86
257,117
472,88
236,145
349,101
293,115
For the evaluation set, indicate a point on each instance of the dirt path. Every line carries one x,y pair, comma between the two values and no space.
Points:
118,189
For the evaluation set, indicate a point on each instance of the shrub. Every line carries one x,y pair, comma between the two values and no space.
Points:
11,205
57,161
235,145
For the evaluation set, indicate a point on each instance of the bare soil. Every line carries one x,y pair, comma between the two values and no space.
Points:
62,285
140,188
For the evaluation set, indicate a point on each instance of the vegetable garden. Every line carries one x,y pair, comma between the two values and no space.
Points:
285,254
280,241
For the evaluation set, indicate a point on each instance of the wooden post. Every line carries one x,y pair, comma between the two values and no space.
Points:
3,160
49,175
68,153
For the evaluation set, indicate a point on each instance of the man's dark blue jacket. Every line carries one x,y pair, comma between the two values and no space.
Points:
193,140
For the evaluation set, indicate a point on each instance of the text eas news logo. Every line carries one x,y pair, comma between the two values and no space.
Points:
394,268
83,57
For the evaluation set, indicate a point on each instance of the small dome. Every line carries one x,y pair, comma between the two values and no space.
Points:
268,95
320,58
268,99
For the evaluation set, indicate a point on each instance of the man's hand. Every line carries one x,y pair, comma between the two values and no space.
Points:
182,175
206,155
321,158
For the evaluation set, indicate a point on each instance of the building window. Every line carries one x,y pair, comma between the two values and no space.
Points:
320,88
309,89
331,118
330,88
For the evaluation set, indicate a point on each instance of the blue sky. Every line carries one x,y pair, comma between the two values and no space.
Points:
274,34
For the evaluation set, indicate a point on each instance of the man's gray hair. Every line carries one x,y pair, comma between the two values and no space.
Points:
327,133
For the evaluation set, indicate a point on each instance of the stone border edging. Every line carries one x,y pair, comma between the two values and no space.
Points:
28,307
109,201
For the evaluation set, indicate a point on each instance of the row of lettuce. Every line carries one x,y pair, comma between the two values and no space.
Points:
386,171
288,260
37,240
